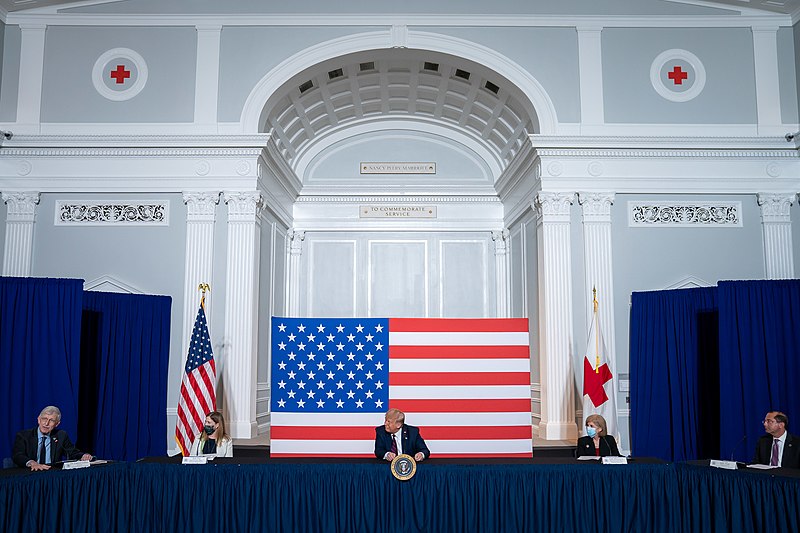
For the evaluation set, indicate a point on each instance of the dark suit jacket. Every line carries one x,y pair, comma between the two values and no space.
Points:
26,446
791,451
608,446
412,442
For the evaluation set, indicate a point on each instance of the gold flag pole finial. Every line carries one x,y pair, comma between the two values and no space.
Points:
596,333
204,287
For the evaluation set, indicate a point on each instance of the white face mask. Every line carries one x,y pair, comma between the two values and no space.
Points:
590,431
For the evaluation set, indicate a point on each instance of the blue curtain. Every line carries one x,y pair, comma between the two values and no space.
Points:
760,359
40,322
125,356
673,374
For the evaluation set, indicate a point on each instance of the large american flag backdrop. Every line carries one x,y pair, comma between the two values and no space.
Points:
464,382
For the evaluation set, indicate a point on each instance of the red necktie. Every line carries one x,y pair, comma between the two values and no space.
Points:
394,445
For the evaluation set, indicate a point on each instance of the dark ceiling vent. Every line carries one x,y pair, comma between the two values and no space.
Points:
491,87
336,73
307,86
462,74
433,67
369,65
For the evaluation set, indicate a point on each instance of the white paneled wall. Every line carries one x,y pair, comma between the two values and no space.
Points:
394,274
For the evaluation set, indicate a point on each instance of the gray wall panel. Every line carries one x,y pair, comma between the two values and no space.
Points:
796,49
68,94
787,75
9,85
247,54
727,54
648,259
549,54
149,258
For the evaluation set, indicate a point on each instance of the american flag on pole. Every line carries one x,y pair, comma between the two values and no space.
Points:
198,396
464,382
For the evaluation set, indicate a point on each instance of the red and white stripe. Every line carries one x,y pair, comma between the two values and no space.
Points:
197,398
464,382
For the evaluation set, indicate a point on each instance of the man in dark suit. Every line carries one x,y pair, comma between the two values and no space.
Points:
44,445
395,437
778,447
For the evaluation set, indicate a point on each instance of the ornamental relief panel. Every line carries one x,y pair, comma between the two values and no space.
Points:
112,213
685,214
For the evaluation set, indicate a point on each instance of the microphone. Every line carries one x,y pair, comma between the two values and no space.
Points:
733,451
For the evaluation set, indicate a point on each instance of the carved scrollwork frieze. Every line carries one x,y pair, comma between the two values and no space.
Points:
671,214
112,213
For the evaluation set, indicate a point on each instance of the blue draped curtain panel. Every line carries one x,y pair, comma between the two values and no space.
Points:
40,322
668,329
760,359
124,366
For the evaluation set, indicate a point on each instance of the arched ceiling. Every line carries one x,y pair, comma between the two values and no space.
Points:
371,90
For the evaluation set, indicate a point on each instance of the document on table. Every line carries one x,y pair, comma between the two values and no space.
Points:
762,467
589,458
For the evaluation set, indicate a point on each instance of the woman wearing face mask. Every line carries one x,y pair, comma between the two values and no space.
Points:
596,442
213,439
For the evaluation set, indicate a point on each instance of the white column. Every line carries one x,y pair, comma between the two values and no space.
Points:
200,216
597,257
295,254
776,221
502,286
31,70
206,88
590,69
238,368
765,57
555,302
20,220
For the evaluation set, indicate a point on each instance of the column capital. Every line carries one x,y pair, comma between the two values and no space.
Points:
21,205
243,205
500,238
201,205
776,207
296,238
596,206
554,206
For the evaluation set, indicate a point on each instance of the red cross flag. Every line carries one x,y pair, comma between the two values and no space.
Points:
598,377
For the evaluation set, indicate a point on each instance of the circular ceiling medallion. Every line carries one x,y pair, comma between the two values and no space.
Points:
119,74
677,75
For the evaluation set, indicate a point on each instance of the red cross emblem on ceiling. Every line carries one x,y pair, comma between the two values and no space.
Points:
593,381
120,74
678,75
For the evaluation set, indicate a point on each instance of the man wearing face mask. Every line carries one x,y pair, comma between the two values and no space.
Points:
214,439
596,442
778,447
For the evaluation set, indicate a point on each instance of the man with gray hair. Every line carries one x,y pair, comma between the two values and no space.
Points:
40,447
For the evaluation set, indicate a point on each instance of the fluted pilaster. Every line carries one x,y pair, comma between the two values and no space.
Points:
776,222
555,354
200,217
238,367
502,273
20,220
596,209
295,254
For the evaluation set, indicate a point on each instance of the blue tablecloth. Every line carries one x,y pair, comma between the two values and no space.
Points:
365,497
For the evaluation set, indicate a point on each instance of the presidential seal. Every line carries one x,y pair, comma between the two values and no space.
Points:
404,467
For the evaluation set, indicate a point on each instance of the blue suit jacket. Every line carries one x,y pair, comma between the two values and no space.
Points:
412,442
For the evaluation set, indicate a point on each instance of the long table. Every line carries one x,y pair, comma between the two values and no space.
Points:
351,495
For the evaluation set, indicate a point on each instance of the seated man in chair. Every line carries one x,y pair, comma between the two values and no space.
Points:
40,447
